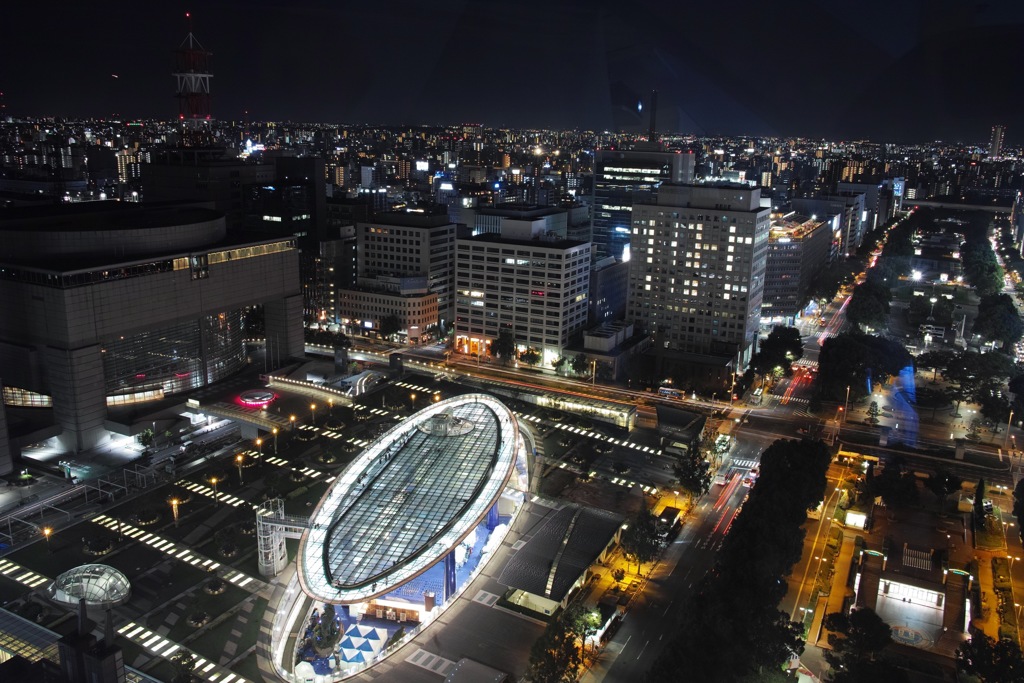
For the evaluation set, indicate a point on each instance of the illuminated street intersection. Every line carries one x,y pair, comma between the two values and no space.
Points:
400,533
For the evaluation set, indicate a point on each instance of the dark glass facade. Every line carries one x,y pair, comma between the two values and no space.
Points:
177,358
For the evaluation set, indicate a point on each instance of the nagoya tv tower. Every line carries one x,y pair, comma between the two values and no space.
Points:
192,73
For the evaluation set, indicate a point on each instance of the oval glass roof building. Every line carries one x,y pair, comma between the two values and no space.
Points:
412,498
100,585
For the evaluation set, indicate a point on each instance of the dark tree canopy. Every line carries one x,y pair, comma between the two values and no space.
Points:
504,346
694,472
732,629
554,657
998,320
857,640
854,360
991,661
390,325
640,539
780,349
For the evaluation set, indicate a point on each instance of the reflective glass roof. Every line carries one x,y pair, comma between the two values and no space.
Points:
99,584
409,499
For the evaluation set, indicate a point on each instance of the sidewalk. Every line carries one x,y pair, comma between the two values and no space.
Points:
833,602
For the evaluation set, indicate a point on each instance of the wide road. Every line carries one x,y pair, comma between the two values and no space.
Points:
648,625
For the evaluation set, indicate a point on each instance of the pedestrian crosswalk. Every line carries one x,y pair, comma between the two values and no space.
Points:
171,549
163,647
744,464
233,501
16,572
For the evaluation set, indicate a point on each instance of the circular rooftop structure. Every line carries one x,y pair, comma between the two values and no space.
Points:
409,499
101,585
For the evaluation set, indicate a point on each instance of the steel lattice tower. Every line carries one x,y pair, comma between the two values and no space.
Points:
192,74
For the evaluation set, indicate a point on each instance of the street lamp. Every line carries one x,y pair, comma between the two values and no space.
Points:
213,480
259,445
412,397
846,406
1008,423
174,510
275,440
46,534
312,413
238,461
931,313
330,407
292,420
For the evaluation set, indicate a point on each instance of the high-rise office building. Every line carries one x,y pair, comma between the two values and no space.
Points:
995,143
394,247
536,289
696,276
798,249
618,176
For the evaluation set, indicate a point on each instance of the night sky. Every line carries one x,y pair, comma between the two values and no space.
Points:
888,70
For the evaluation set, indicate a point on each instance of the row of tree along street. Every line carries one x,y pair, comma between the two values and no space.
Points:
731,629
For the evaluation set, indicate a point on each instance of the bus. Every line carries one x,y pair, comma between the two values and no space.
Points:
669,392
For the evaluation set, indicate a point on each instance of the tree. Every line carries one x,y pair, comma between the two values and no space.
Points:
942,482
694,472
504,347
780,349
869,304
581,621
390,325
873,411
559,364
326,633
858,635
925,398
991,661
936,360
994,403
979,502
640,539
530,356
968,372
999,320
858,361
554,656
1018,505
580,363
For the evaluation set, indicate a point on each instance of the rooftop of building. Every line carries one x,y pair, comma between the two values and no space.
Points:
515,210
557,555
494,238
792,226
405,219
410,498
103,215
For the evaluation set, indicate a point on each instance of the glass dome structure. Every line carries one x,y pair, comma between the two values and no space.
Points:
99,584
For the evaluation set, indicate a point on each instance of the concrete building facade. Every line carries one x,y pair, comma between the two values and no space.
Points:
408,245
798,249
618,176
696,276
536,289
104,304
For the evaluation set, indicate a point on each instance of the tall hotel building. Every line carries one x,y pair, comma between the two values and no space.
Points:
618,176
696,276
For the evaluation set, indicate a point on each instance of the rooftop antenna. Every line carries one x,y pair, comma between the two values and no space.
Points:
654,116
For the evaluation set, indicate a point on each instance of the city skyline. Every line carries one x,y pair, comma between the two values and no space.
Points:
813,70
